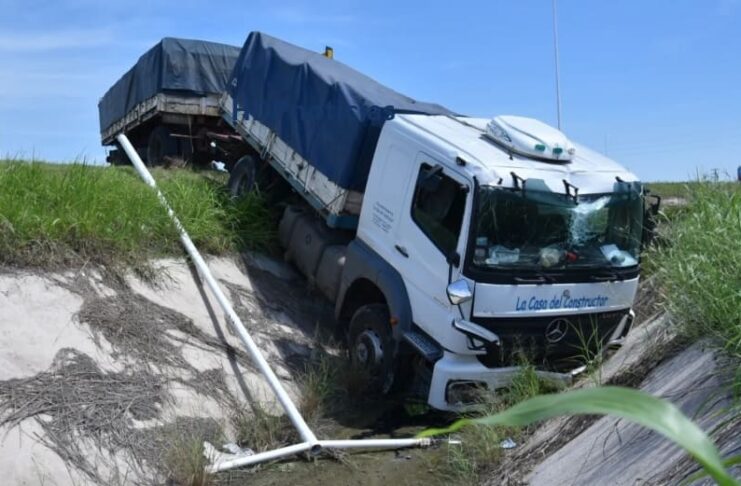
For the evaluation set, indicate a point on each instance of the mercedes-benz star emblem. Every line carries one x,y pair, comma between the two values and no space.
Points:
556,330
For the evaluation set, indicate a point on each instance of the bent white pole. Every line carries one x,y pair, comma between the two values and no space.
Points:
298,421
376,443
311,443
324,444
259,457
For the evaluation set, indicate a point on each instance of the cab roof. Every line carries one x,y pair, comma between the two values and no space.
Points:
465,138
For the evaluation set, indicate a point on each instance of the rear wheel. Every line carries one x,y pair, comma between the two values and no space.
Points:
371,347
243,177
250,174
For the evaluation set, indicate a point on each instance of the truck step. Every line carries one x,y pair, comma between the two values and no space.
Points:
425,346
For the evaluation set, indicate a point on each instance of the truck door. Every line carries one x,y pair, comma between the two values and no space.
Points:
431,229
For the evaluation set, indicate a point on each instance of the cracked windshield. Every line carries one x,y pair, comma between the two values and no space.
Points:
546,230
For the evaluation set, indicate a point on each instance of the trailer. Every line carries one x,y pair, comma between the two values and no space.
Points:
168,105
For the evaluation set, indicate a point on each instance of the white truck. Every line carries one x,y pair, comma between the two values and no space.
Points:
466,244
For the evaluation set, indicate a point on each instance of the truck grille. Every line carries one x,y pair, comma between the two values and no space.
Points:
554,342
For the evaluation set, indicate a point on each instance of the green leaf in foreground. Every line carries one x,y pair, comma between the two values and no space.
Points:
634,405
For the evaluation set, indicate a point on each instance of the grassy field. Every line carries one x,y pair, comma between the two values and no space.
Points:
54,215
699,267
682,190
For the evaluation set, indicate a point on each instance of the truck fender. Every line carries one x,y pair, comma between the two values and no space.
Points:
362,263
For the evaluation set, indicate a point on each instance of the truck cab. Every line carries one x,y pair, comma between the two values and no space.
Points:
454,248
504,241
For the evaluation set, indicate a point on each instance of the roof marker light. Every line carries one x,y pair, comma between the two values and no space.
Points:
530,138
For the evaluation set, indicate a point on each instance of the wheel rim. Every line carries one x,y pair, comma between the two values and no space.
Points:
369,350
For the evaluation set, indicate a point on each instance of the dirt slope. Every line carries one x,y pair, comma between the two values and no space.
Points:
100,377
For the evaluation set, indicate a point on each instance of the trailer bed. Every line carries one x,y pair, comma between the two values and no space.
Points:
173,108
339,206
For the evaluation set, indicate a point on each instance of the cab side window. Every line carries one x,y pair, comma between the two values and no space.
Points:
438,206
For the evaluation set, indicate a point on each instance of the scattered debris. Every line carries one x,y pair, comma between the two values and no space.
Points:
508,443
214,456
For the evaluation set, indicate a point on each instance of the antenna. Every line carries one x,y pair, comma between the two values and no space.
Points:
558,75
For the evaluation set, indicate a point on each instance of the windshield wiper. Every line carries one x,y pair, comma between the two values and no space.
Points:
540,278
531,280
605,277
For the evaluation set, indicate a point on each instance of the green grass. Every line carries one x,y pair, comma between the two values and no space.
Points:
668,189
260,430
52,215
700,266
681,190
186,463
480,449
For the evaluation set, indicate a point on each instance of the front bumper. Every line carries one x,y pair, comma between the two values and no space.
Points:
456,370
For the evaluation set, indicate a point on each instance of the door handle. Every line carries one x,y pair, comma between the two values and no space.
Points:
402,250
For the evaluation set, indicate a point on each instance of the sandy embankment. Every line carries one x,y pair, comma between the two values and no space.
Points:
169,340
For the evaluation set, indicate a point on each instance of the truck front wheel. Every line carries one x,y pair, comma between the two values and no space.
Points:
371,347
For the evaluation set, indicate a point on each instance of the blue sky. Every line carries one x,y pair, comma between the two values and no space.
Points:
656,85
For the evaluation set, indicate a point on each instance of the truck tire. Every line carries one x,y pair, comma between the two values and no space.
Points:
161,144
252,174
243,177
117,157
371,345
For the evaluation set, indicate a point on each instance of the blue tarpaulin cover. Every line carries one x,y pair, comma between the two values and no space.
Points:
182,66
329,113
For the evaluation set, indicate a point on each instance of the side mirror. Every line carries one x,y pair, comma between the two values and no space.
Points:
459,292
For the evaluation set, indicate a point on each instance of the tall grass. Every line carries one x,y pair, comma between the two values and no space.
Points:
700,266
59,214
681,190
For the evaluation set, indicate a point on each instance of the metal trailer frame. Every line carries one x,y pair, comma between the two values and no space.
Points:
340,207
310,442
174,108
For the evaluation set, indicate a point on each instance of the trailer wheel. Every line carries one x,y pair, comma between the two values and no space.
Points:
371,345
243,177
161,144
